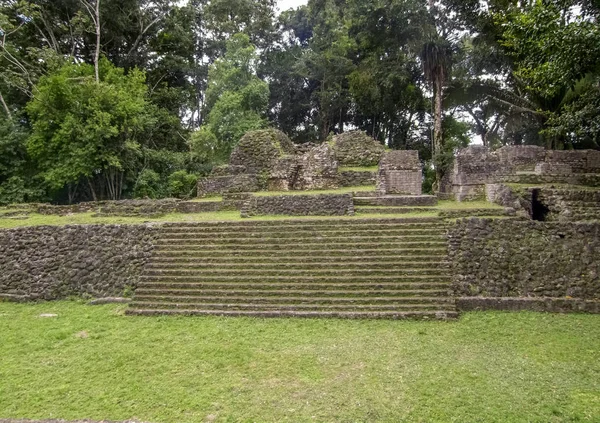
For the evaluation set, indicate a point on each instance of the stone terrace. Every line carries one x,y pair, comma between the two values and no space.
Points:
368,268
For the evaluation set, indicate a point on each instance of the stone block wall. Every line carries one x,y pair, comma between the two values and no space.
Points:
56,262
400,172
214,185
351,178
525,259
138,208
301,205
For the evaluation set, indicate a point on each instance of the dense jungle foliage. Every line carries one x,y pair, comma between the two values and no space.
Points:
110,99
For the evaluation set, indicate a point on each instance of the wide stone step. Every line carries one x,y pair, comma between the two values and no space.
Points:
274,272
179,234
290,307
272,254
310,246
288,223
394,210
405,288
313,239
397,200
196,278
308,298
392,315
188,264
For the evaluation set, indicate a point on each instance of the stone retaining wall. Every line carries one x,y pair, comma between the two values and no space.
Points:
353,178
56,262
520,259
301,205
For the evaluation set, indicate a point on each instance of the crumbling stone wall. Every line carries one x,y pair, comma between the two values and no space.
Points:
476,166
356,148
512,258
318,169
301,205
56,262
352,178
216,185
400,172
142,208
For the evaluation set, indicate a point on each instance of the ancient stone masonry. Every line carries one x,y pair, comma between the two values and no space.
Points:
476,166
301,205
525,259
356,148
56,262
140,208
353,178
268,160
400,172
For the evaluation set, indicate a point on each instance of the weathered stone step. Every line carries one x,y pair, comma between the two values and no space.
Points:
189,264
405,288
302,261
310,246
287,223
267,254
179,234
295,278
310,272
314,239
307,299
397,200
392,315
290,307
394,210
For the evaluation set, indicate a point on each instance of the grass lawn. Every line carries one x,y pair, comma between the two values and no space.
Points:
92,362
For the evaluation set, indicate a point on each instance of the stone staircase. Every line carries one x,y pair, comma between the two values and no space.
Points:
364,268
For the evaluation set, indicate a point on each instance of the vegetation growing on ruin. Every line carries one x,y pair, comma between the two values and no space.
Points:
147,96
91,362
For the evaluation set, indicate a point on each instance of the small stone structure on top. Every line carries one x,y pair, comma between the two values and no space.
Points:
476,166
400,172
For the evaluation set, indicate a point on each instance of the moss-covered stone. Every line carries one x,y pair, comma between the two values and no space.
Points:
259,151
356,148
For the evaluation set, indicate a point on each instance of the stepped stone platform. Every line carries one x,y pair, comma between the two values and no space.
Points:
365,268
396,200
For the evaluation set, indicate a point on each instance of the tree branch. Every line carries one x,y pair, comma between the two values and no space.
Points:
6,109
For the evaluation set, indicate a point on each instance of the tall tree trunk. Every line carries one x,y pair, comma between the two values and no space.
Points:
97,54
484,138
92,191
437,125
6,109
93,9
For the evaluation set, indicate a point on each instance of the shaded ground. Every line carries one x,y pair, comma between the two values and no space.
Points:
94,363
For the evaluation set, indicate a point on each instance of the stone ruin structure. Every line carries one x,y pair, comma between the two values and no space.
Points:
476,167
400,172
268,160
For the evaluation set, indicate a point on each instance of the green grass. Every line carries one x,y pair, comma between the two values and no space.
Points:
92,362
224,216
466,205
359,169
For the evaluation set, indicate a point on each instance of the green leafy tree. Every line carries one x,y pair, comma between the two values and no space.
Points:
85,131
236,99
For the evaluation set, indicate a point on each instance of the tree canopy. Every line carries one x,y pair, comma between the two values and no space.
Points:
178,83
